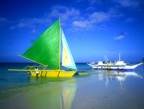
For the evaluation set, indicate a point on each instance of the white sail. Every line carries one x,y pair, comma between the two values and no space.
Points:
67,59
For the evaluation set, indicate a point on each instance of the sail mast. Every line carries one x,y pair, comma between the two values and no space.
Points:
59,43
119,57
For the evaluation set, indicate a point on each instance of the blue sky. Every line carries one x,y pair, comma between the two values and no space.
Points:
93,28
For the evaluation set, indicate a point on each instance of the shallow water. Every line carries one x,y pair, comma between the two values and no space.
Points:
96,90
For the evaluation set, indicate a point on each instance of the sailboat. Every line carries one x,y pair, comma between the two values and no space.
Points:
48,50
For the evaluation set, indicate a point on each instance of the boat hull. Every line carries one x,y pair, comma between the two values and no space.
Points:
53,73
48,73
112,67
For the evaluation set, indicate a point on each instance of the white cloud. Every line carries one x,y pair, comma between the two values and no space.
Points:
12,27
92,20
21,25
34,31
129,19
70,17
4,20
98,17
81,24
32,22
128,3
64,13
113,49
25,23
120,37
91,2
41,20
78,1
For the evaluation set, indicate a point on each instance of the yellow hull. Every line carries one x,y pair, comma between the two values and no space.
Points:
48,73
53,73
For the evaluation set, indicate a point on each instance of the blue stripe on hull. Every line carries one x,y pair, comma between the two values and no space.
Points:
114,69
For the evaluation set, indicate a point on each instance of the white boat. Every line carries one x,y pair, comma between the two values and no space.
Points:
118,65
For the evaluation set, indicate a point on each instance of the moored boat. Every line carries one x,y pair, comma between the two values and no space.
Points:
108,65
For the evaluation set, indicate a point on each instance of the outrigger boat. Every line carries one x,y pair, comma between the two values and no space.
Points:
48,50
119,65
108,65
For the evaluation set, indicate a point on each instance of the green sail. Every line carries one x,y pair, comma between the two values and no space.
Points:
46,49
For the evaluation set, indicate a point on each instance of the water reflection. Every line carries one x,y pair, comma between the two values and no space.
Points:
68,93
57,95
116,75
42,93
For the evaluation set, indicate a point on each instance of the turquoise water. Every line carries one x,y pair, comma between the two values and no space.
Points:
92,90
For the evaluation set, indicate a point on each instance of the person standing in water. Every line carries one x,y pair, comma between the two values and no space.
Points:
36,71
